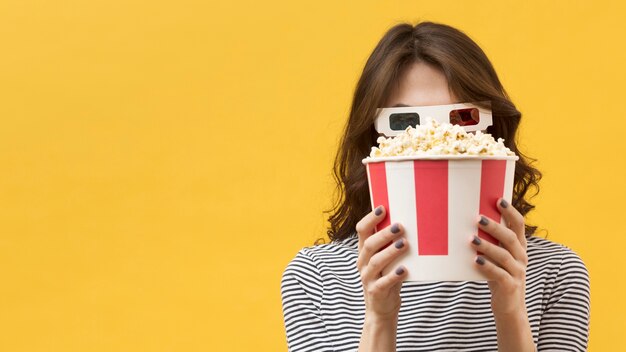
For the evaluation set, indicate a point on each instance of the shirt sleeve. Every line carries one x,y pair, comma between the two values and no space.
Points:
301,291
564,324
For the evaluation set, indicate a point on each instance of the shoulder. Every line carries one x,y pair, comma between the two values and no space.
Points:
565,269
304,275
541,250
310,261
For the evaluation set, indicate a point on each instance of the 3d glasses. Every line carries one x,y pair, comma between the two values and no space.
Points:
391,121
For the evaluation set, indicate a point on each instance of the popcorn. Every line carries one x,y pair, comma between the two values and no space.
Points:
434,138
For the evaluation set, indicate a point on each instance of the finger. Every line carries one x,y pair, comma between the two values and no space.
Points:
514,219
508,239
388,282
380,260
491,271
499,256
374,243
367,225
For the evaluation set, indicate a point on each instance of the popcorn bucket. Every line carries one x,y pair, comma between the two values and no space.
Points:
437,199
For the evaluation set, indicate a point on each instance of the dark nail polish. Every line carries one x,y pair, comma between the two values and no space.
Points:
378,211
504,203
395,228
399,244
399,271
480,260
483,221
476,240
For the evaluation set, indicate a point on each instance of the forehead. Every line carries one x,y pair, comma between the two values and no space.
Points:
420,84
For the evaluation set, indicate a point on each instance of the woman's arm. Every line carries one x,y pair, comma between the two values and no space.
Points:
378,334
505,267
565,322
381,292
514,332
301,291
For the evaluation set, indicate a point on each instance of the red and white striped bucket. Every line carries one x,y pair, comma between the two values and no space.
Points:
437,199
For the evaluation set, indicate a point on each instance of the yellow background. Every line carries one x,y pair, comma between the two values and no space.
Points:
161,162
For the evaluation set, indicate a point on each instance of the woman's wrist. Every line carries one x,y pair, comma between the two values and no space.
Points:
514,332
381,318
381,323
379,333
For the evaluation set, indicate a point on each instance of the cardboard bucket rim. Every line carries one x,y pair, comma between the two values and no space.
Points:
369,160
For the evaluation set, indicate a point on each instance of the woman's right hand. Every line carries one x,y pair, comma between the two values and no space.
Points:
382,292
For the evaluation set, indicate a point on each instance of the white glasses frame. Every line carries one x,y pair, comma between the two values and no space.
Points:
439,113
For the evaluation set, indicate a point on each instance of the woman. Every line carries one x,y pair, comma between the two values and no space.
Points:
335,297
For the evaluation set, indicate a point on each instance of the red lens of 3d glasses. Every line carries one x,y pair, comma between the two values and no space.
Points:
465,117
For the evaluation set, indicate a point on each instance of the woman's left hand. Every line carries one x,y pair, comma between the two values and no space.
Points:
504,265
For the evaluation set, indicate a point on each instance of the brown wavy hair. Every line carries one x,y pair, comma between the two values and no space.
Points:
471,78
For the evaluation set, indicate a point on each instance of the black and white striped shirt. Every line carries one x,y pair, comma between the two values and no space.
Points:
323,304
